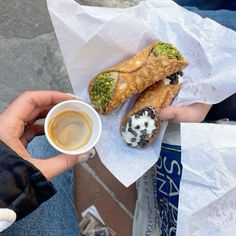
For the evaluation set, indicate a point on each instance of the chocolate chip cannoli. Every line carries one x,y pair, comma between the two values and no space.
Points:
112,87
141,125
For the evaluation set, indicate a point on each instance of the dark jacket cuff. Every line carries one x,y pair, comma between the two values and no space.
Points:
23,187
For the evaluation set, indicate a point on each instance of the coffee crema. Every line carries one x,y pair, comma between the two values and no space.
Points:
70,130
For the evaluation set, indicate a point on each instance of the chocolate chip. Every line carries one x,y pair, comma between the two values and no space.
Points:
146,124
137,127
181,73
136,116
144,137
133,140
153,116
143,143
134,133
174,79
129,144
140,144
129,120
150,112
144,131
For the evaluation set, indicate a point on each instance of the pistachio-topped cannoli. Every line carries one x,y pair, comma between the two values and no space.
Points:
112,87
141,125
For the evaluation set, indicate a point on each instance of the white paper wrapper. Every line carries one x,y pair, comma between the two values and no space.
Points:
93,38
207,200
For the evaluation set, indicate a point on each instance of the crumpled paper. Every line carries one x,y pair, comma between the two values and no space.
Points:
94,38
207,200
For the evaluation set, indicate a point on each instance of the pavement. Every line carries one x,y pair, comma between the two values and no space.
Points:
30,59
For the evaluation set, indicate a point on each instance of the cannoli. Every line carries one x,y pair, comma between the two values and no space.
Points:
112,87
141,125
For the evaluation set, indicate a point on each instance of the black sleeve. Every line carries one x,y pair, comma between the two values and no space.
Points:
22,186
224,109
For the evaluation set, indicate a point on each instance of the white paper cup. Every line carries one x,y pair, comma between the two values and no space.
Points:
74,105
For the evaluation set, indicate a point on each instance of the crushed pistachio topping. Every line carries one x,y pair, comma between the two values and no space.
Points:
167,50
102,90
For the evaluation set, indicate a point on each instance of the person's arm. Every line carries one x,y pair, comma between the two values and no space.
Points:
23,186
24,180
223,110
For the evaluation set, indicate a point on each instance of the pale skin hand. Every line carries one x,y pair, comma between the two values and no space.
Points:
17,128
193,113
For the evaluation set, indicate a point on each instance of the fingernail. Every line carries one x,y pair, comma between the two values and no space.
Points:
84,157
92,153
75,97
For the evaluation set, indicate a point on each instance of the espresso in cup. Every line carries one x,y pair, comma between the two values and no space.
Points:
73,127
70,130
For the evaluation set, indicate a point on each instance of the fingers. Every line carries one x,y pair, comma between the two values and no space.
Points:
30,132
54,166
32,101
192,113
57,165
38,113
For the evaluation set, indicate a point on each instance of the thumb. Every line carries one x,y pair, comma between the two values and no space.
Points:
175,114
56,165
